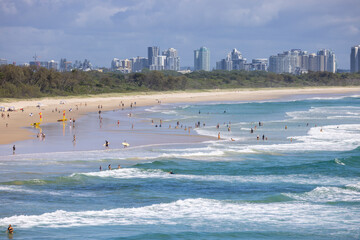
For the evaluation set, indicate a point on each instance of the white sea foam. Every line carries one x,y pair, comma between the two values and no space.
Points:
327,194
198,213
130,173
325,113
24,190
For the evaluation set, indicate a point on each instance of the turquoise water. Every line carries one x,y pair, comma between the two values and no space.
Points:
303,182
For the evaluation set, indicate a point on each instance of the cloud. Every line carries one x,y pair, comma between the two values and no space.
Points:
98,14
113,28
7,7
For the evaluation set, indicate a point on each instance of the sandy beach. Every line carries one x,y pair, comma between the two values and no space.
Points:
13,122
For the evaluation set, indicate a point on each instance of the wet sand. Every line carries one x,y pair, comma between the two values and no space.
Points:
13,129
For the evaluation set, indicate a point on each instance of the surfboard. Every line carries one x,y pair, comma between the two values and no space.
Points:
125,144
62,120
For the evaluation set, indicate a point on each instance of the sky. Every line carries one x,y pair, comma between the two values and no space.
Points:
100,30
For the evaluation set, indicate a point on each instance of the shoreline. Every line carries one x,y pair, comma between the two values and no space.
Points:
13,127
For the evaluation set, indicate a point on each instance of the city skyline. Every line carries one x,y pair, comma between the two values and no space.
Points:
102,30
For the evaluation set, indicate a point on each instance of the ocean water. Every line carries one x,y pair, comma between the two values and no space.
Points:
301,182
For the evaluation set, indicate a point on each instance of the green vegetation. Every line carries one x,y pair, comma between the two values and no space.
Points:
29,82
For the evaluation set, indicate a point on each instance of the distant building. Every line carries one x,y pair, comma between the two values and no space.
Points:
225,64
115,64
235,61
158,63
238,62
124,66
82,66
172,61
139,63
202,59
65,66
297,61
258,64
53,65
153,52
3,61
39,64
355,59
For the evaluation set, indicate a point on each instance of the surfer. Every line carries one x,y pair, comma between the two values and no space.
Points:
100,168
219,136
106,143
14,149
171,172
119,166
10,229
109,167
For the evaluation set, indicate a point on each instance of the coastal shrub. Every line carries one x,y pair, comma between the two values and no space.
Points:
27,82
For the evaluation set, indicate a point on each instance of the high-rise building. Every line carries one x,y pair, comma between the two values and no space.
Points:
53,65
355,59
139,63
296,61
115,64
158,63
172,61
259,64
225,64
202,59
238,62
153,52
313,62
3,61
65,66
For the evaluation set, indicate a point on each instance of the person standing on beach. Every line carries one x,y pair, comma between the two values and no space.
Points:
14,149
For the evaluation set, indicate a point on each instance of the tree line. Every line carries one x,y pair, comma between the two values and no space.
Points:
33,81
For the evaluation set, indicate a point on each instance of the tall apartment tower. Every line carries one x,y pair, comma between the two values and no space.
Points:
202,59
355,59
153,52
172,61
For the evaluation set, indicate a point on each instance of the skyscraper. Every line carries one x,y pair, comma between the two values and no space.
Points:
202,59
355,59
152,53
172,61
296,61
139,63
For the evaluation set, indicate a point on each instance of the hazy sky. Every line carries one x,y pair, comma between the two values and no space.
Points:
100,30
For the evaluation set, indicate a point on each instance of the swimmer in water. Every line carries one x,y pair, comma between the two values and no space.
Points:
10,229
